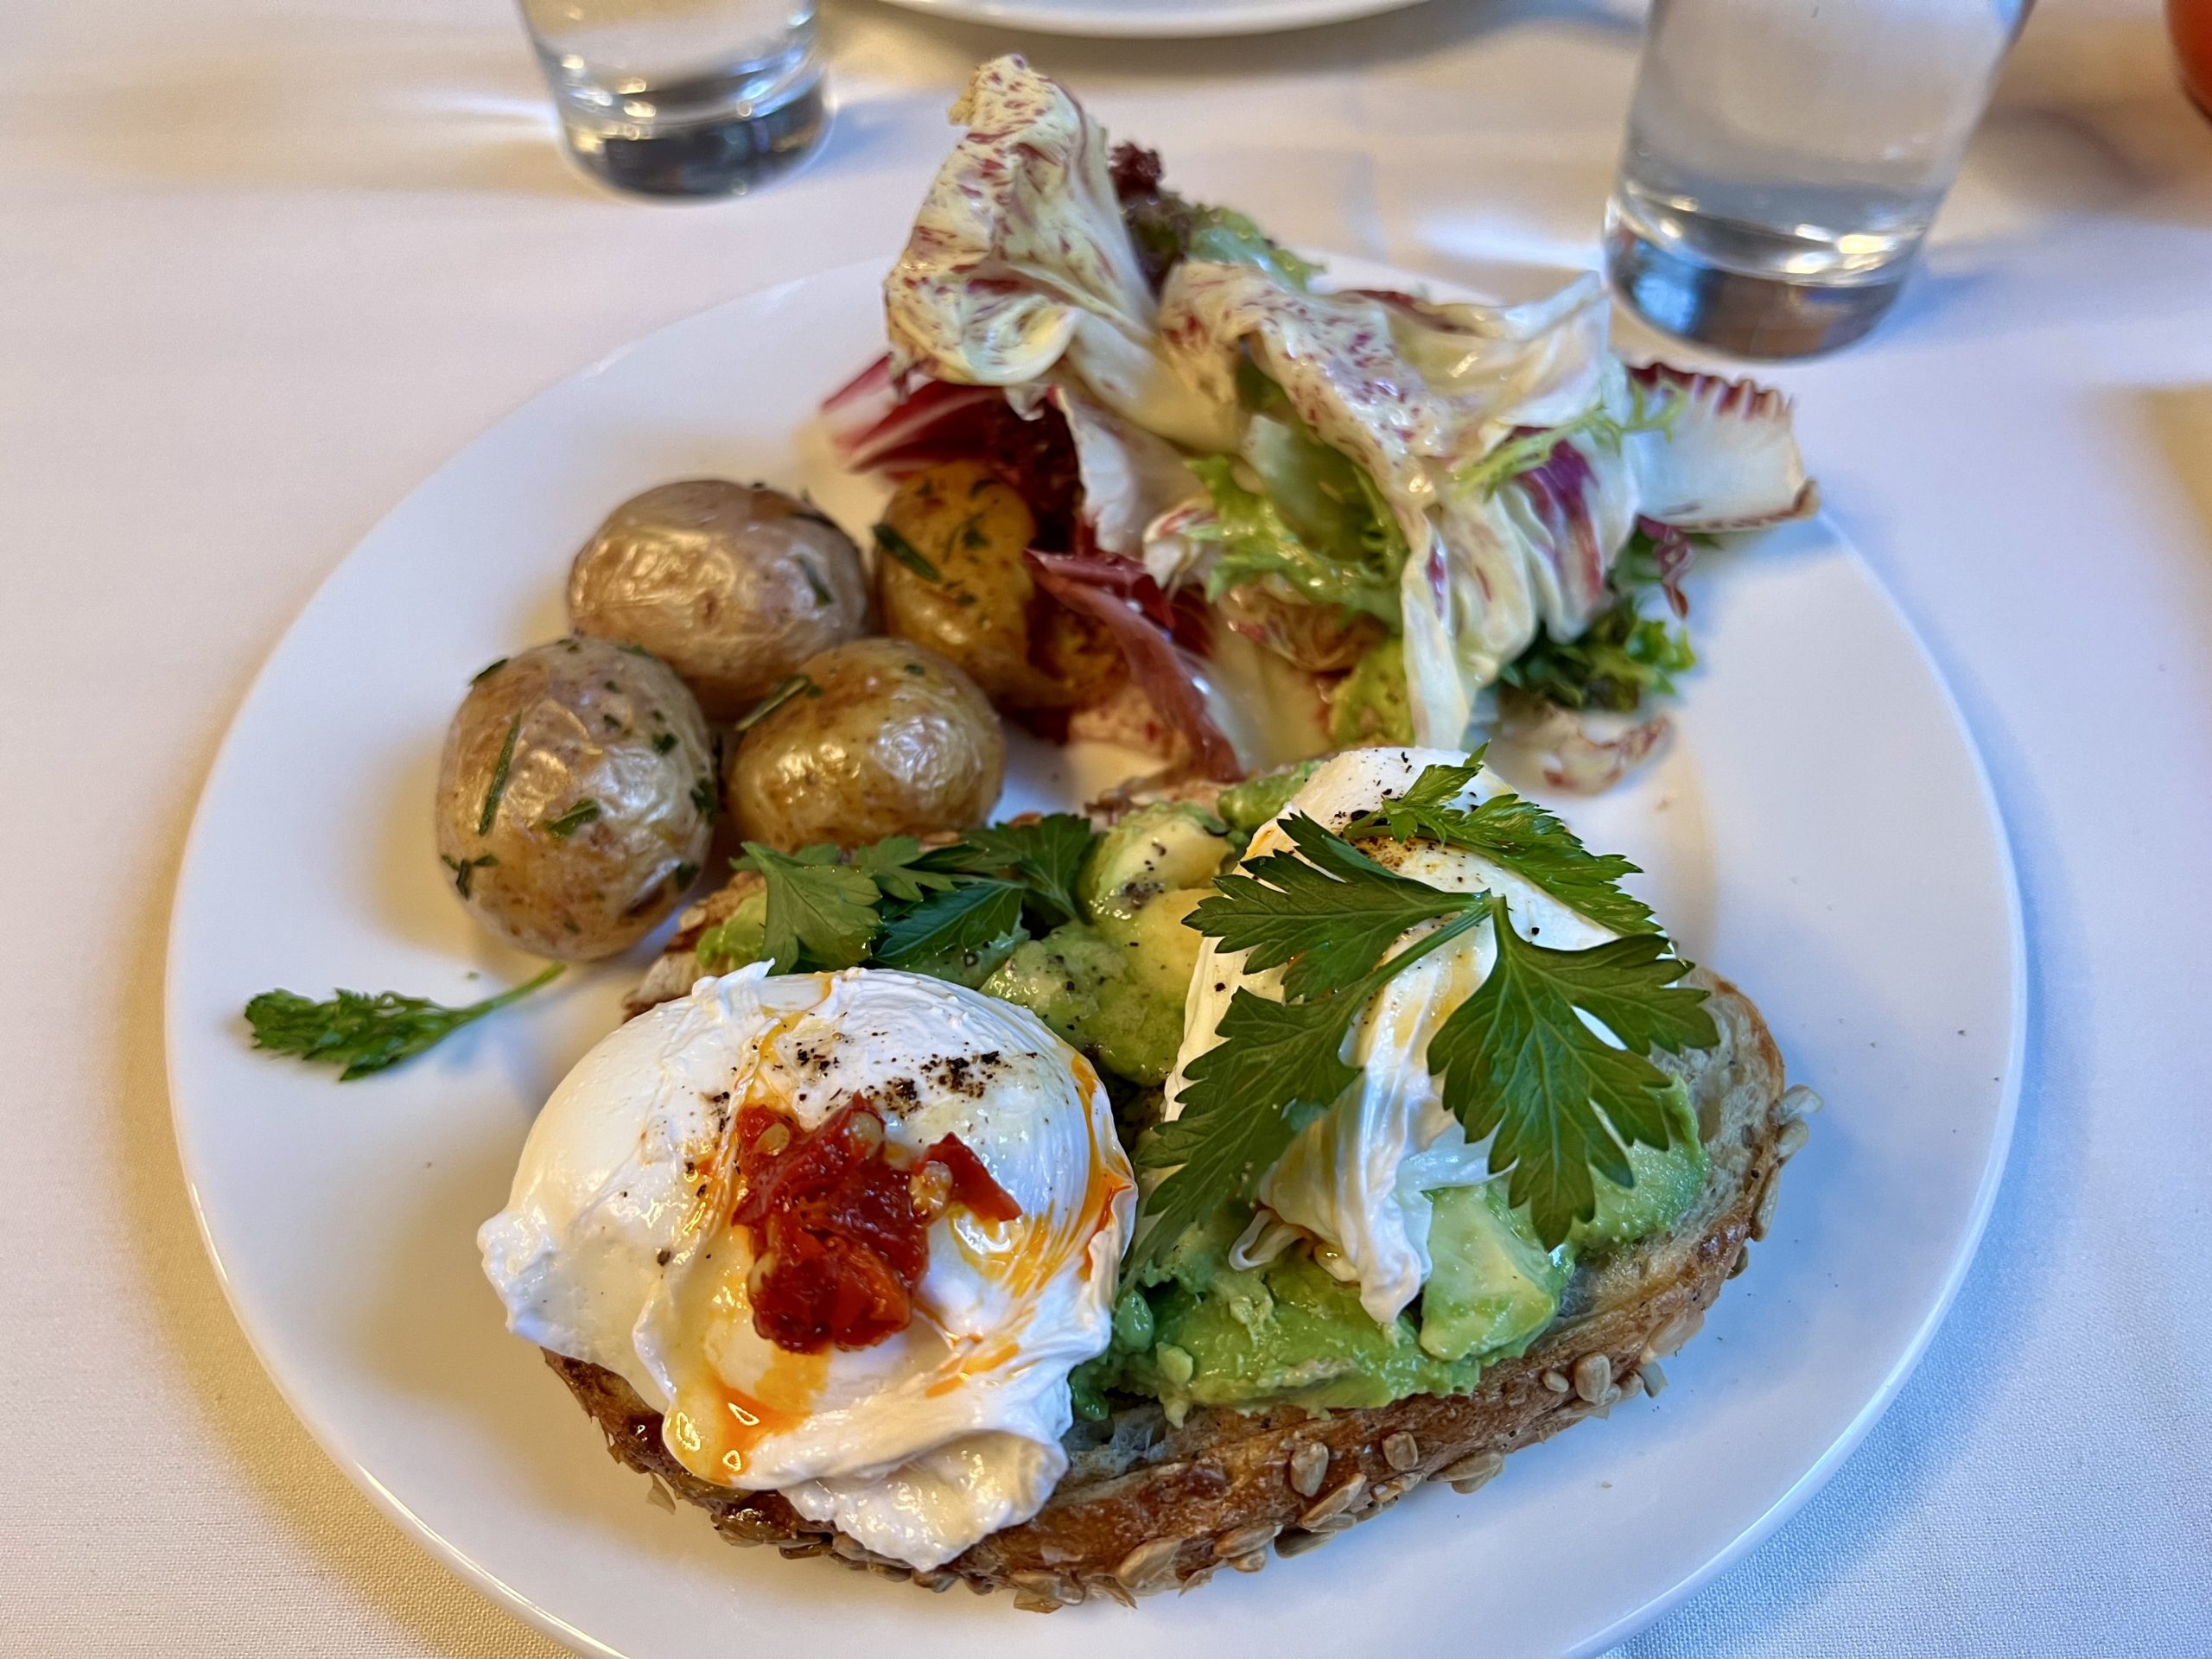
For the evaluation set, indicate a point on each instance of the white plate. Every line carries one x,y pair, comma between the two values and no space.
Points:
1822,832
1154,19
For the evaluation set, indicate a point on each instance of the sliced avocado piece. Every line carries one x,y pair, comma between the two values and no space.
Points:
1115,991
1244,807
1667,1184
1492,1286
1154,849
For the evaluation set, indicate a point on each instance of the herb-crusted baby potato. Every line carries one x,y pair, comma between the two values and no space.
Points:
950,575
732,585
882,737
577,797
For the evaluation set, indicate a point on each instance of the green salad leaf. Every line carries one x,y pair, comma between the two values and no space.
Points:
1622,657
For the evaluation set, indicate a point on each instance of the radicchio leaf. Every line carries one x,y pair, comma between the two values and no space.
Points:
1118,593
1020,261
1727,459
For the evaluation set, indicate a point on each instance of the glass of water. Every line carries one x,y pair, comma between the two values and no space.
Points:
1785,158
682,98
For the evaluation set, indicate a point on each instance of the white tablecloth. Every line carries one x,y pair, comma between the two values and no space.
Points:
264,264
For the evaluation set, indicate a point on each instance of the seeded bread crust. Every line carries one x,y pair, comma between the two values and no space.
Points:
1147,1506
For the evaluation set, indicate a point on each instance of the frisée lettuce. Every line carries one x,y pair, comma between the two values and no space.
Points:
1460,480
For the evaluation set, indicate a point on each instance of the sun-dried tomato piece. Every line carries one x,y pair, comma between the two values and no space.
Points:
840,1240
972,1185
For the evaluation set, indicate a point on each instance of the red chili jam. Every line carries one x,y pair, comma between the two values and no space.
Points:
840,1223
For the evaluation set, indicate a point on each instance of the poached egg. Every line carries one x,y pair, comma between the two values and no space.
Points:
1357,1179
617,1247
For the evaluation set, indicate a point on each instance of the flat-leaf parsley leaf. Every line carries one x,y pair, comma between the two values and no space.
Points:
1519,1062
360,1033
820,913
1516,834
1329,913
1277,1067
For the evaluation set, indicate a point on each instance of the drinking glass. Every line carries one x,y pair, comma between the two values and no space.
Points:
1784,157
682,98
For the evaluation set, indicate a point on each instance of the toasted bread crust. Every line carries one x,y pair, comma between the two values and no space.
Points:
1147,1506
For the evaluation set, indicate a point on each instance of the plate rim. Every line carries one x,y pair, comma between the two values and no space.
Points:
455,1558
1159,23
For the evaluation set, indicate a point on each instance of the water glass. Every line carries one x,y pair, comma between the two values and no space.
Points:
682,98
1785,158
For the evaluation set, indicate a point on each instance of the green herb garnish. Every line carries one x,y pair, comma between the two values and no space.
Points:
464,870
897,547
1043,857
1516,834
706,798
821,913
1277,1067
1519,1062
664,741
572,820
488,671
361,1033
784,691
894,864
896,903
1517,1059
1328,911
971,917
498,785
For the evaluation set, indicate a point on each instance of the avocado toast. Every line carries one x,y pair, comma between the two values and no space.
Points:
1248,1398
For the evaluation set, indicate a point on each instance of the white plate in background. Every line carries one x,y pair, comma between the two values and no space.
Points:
1884,945
1154,19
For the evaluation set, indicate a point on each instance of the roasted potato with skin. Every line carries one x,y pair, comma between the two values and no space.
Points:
950,575
883,738
576,796
731,585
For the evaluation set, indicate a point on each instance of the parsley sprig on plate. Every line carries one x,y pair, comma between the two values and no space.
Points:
1518,1061
898,904
360,1033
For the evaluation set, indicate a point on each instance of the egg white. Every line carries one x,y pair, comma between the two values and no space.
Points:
614,1248
1357,1177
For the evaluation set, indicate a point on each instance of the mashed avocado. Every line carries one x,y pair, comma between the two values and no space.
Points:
1112,988
1370,704
1666,1184
1244,807
1200,1332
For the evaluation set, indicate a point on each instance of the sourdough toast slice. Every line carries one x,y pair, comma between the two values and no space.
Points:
1148,1506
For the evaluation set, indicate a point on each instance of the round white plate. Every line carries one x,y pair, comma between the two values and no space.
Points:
1822,832
1154,19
